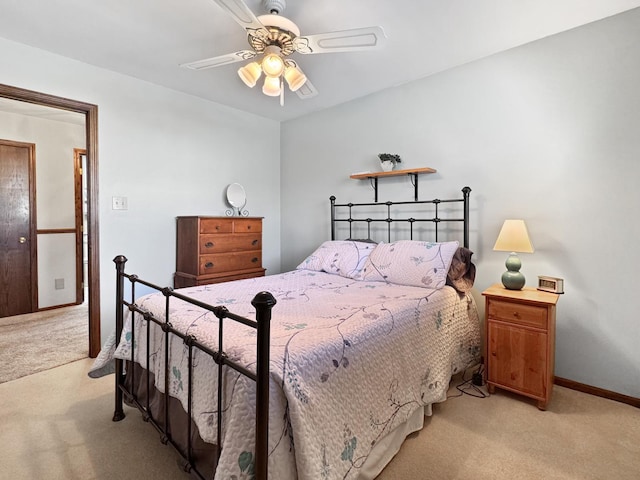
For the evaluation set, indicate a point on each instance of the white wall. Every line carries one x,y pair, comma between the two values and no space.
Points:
547,132
171,154
55,201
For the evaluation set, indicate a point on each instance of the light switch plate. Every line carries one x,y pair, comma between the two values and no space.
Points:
119,203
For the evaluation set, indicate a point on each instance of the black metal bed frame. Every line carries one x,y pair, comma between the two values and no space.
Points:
436,220
263,303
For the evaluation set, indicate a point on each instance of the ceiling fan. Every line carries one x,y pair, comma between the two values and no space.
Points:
274,38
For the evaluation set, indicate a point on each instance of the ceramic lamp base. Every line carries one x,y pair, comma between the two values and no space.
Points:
512,279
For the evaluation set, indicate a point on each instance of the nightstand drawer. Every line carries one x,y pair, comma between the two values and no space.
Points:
519,313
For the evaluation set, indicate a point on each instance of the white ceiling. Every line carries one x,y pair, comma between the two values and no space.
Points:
148,39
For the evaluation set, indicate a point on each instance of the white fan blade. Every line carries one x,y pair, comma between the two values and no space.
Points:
245,17
220,60
343,41
307,90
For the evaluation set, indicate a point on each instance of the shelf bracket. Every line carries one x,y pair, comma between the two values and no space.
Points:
414,181
374,185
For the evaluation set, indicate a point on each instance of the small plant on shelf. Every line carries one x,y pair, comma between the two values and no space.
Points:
388,161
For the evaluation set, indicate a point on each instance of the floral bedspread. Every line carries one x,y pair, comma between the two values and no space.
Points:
350,360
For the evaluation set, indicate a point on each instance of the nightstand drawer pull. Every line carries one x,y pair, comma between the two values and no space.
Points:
255,242
254,259
208,265
209,244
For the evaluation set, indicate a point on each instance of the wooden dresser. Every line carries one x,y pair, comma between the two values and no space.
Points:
520,333
217,249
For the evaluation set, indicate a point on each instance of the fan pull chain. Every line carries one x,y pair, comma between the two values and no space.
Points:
281,92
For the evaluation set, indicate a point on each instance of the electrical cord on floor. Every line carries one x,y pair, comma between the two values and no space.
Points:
471,386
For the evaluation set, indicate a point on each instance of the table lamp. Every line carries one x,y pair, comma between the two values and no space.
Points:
513,238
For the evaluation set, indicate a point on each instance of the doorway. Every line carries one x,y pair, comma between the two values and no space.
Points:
90,112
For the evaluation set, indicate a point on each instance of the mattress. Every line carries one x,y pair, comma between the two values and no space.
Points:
351,361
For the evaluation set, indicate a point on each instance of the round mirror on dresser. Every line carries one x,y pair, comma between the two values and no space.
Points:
237,199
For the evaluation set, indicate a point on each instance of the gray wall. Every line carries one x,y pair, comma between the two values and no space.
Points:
171,154
547,132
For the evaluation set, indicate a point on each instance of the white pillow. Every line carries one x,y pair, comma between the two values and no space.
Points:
341,257
410,262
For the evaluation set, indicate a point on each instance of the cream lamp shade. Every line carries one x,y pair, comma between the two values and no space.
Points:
513,237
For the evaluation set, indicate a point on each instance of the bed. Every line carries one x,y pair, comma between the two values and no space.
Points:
323,372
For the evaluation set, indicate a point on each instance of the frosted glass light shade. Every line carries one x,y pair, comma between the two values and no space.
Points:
294,77
273,65
513,237
271,86
250,74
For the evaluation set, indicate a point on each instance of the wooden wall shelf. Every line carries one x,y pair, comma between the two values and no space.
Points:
412,172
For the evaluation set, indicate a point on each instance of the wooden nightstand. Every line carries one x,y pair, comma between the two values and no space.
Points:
520,335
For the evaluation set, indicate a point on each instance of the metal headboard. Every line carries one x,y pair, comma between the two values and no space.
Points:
385,208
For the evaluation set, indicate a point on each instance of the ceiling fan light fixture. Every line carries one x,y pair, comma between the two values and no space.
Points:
271,86
250,74
273,38
294,77
272,65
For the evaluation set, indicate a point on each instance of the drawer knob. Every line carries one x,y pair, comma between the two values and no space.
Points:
248,227
255,242
208,244
516,314
254,259
217,227
208,265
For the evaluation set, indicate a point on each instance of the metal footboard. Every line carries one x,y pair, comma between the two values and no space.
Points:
263,303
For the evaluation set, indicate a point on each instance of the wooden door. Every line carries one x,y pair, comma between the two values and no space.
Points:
18,286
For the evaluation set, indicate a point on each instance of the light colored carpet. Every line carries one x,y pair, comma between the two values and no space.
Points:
57,424
34,342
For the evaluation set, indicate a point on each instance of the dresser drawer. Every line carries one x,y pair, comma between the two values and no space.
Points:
215,225
246,225
522,314
227,262
211,243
